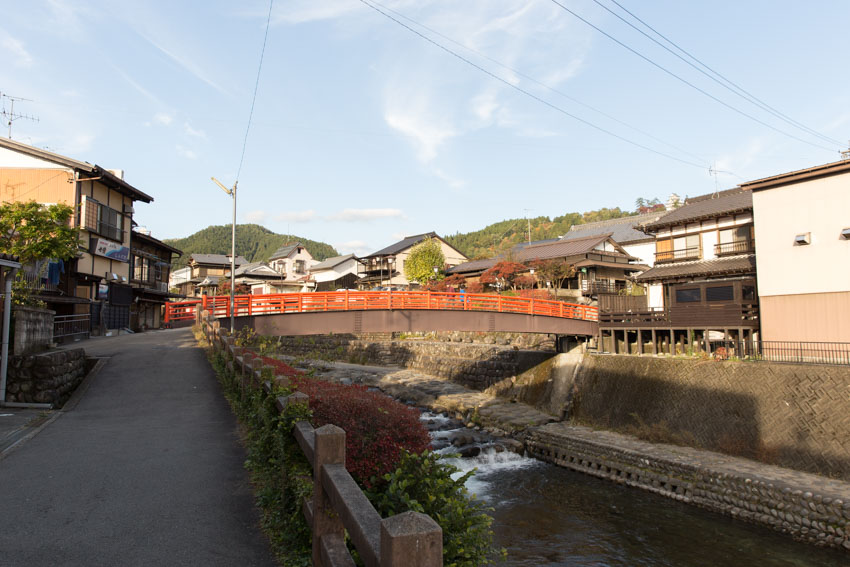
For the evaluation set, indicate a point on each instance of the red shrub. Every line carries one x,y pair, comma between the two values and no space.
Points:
377,428
280,367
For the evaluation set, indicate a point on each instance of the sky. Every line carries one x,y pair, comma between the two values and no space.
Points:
443,115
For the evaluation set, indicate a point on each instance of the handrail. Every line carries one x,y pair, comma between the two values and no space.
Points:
315,302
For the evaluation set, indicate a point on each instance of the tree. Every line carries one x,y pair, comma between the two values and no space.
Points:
32,231
423,258
555,271
241,289
451,283
503,274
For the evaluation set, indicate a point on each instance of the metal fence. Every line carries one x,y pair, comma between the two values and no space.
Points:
782,351
70,325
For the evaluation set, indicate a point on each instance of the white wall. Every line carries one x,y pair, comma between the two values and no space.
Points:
10,158
645,252
820,207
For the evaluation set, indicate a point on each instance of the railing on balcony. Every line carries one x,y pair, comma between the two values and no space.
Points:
597,287
36,282
692,253
737,247
70,325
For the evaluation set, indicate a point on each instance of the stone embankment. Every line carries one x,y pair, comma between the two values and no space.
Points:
48,378
805,506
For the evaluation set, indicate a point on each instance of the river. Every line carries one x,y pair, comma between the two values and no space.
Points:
548,515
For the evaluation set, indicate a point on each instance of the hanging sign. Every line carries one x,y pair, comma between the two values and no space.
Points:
109,249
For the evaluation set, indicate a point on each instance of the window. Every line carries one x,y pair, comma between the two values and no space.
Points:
686,246
299,266
141,269
748,292
103,220
719,293
737,234
690,295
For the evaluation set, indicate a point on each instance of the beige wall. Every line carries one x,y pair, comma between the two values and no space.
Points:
820,207
41,185
815,317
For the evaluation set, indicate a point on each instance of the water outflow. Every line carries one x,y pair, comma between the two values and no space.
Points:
548,515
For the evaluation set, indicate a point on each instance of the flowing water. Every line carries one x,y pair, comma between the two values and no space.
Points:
548,515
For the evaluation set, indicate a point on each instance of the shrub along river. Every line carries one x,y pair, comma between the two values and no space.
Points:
547,515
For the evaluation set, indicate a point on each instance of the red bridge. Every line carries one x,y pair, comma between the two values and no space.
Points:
384,311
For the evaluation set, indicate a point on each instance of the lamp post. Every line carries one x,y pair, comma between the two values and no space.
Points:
534,280
232,193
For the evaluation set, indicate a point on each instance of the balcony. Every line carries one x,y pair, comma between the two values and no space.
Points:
731,248
681,255
35,282
598,287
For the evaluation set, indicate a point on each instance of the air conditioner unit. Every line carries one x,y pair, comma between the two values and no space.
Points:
803,239
128,209
845,234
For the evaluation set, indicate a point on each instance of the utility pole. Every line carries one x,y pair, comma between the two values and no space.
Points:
232,192
528,220
11,115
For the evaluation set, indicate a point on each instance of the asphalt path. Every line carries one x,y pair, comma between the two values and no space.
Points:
146,469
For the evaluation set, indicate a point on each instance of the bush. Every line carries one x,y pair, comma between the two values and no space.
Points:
378,429
422,483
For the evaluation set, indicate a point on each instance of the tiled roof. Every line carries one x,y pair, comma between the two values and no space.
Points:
834,168
475,265
706,206
218,259
331,262
256,269
731,265
404,244
623,230
285,250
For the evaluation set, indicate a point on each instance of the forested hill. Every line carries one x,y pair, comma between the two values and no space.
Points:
254,242
501,236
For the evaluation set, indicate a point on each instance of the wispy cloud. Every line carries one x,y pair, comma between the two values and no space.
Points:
163,118
366,215
183,61
303,11
142,90
194,133
412,115
256,217
451,181
20,57
185,152
358,247
296,216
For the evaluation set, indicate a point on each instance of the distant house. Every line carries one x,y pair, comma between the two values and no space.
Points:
339,272
703,283
602,265
260,278
150,263
802,229
206,273
385,268
625,231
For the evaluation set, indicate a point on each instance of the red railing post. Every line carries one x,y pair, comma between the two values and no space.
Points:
346,300
531,306
300,303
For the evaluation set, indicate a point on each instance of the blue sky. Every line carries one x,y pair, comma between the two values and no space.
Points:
364,132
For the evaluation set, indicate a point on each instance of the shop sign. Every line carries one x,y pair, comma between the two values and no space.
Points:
111,250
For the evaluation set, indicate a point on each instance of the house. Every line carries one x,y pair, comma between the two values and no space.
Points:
802,229
602,265
150,264
386,266
261,278
625,231
97,282
702,286
339,272
206,273
292,260
179,279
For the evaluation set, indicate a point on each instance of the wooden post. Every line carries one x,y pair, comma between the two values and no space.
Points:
329,450
705,341
654,343
640,342
672,347
411,539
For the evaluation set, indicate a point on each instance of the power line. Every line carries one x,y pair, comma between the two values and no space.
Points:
256,87
530,94
685,81
717,78
537,82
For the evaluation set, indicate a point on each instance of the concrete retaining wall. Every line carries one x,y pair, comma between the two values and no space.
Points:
33,329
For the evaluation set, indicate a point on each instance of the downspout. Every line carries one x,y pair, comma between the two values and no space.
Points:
7,316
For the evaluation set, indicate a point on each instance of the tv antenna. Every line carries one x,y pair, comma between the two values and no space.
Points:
845,154
10,115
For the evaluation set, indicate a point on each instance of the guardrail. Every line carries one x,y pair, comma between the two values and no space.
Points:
782,351
280,303
409,539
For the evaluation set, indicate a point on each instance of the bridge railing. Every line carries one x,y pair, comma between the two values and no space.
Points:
279,303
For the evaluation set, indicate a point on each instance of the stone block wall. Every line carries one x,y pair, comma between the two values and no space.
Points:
795,416
476,366
33,329
48,378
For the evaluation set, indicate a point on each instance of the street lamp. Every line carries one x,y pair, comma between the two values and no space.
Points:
534,280
232,192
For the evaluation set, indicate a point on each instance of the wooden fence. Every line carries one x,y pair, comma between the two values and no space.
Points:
338,506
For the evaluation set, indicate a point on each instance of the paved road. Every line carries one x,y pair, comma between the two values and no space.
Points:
145,470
